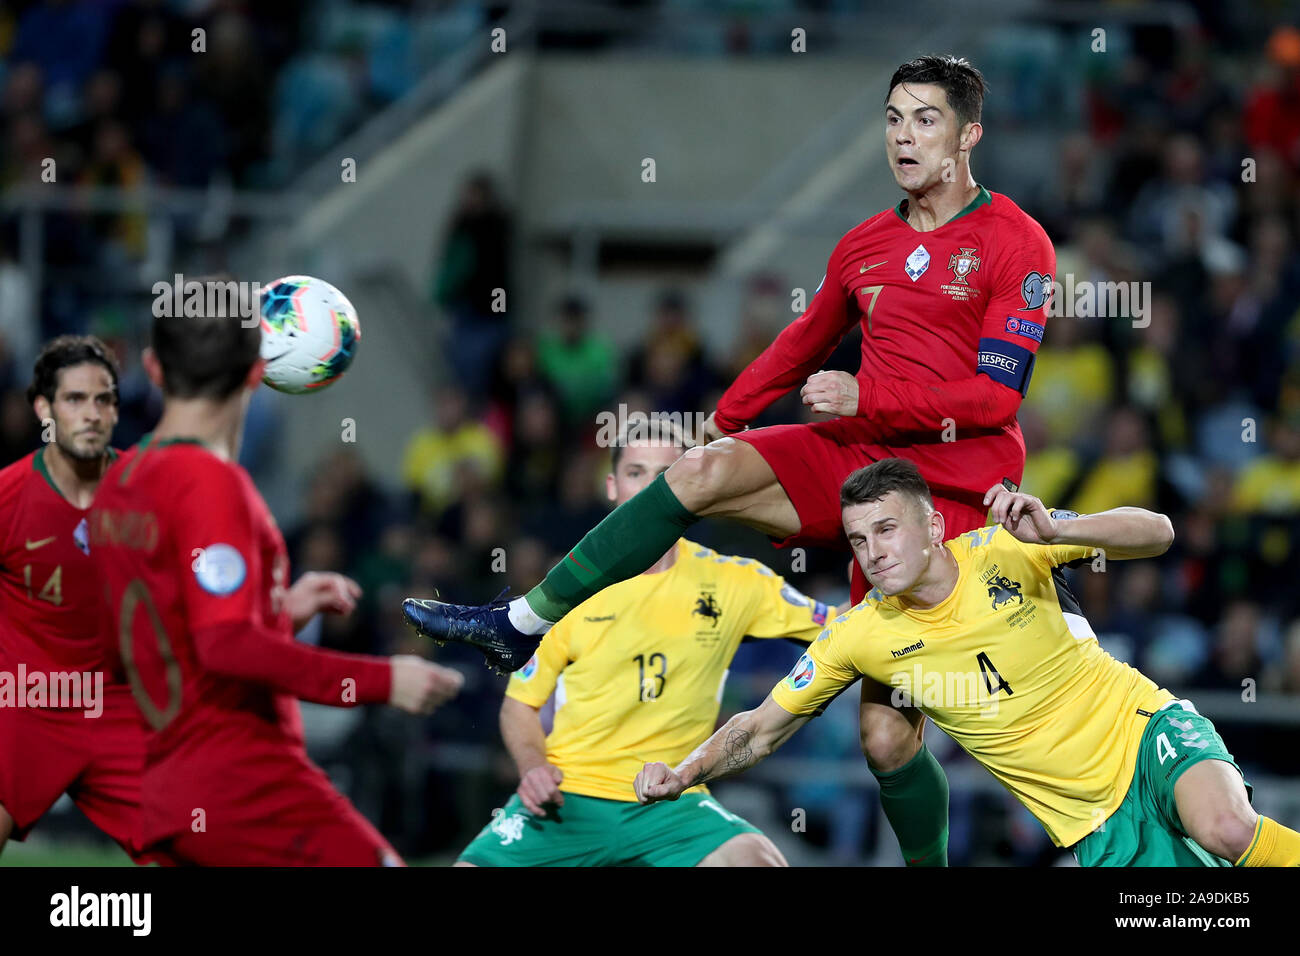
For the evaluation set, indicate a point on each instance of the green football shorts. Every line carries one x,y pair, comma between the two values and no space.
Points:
1145,830
591,831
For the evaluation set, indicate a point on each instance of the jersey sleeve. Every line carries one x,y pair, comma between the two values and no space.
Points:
1019,297
797,352
213,529
533,683
215,539
782,609
1052,555
820,675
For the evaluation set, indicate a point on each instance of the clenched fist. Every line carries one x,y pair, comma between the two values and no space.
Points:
657,781
833,393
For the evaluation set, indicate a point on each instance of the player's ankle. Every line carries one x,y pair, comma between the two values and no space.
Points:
525,619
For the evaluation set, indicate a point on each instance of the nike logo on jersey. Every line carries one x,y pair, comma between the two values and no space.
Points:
867,268
33,545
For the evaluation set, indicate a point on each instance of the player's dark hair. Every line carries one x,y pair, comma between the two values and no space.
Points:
963,84
644,429
206,356
65,352
880,478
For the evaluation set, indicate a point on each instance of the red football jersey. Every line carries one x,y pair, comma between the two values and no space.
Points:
196,573
50,596
967,299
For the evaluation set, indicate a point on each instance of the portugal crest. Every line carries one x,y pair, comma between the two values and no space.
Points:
962,264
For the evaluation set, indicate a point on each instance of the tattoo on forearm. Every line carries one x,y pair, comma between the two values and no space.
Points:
737,754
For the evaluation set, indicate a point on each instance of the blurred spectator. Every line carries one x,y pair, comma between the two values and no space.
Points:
1073,380
233,76
580,364
434,454
18,327
1050,467
536,454
472,278
1236,655
1271,483
579,506
183,138
64,39
1284,676
1126,473
114,162
514,376
20,432
670,364
1273,105
1165,209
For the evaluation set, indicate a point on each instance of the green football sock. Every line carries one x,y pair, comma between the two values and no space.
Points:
631,538
915,799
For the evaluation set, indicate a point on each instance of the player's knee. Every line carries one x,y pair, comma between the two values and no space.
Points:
889,744
765,853
696,477
1225,832
749,849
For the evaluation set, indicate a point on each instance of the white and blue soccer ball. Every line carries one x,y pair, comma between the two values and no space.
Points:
309,334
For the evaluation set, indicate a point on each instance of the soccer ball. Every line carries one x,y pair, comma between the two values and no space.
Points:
309,334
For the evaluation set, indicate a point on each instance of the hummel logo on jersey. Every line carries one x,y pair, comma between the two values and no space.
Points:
909,649
33,545
868,268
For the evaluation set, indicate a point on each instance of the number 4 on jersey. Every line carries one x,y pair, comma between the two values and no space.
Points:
993,681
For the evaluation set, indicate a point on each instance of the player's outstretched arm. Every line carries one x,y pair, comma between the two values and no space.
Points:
525,739
737,745
1121,533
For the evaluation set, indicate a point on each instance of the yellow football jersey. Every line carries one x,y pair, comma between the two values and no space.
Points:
638,669
1009,668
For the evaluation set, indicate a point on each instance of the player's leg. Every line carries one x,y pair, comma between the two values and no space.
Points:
726,479
344,839
108,790
687,832
748,849
299,821
40,757
6,827
730,478
1187,804
913,786
1214,808
577,834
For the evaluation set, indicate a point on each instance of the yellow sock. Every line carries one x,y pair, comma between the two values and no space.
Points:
1273,845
